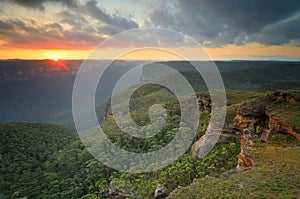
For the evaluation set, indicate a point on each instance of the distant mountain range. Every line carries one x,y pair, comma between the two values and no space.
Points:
41,90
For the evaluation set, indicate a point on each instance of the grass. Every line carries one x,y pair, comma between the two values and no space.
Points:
277,175
287,112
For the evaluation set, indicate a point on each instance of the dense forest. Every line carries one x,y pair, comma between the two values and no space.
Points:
40,160
41,91
48,161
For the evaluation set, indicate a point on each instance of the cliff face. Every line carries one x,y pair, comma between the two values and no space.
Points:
204,102
276,124
250,117
260,118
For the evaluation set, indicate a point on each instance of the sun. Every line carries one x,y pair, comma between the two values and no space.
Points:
55,58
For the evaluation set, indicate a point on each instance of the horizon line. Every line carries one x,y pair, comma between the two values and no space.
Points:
155,60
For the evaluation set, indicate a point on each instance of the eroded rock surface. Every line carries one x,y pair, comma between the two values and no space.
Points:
250,117
276,124
160,192
245,159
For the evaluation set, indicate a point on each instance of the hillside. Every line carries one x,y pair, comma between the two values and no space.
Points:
239,75
41,90
24,150
275,176
256,111
48,161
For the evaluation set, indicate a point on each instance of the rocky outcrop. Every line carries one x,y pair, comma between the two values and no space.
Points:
196,148
258,120
245,159
117,192
282,96
250,117
265,136
276,124
204,102
160,192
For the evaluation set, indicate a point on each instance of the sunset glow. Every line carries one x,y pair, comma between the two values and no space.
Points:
61,30
55,58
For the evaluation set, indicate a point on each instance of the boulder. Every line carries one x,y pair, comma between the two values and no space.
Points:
160,192
265,136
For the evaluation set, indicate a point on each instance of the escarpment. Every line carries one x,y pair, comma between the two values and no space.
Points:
277,112
259,114
272,113
264,115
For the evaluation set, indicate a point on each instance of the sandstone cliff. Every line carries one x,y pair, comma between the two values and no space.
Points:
271,115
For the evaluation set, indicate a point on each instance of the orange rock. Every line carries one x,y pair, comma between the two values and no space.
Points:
245,161
244,158
275,124
265,136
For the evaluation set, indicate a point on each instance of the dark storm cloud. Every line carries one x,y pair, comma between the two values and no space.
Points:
280,33
216,23
213,23
39,4
250,16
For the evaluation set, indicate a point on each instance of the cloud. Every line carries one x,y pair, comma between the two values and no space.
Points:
74,28
249,16
30,34
98,13
212,23
39,4
280,33
216,23
76,21
149,38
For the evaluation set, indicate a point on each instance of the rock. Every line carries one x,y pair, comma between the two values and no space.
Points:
196,147
281,96
276,124
265,136
242,185
204,102
245,159
174,191
250,117
160,192
116,192
201,148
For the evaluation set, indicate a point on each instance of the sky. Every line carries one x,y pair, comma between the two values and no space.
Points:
227,30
